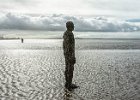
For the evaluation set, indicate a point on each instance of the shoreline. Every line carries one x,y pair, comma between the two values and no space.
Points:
77,38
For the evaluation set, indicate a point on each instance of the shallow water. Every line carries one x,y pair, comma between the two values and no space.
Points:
27,73
81,44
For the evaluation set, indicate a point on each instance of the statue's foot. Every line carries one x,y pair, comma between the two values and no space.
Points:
70,87
73,86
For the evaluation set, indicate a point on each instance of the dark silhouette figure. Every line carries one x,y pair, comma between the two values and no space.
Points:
69,53
22,40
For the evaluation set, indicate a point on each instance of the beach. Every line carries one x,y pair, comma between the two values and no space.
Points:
105,69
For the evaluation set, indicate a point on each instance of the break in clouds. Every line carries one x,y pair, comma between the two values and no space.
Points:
57,23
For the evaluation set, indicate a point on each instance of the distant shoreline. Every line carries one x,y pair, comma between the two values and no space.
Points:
76,38
9,38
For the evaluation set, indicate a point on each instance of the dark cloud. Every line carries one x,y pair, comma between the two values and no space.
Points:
133,20
57,23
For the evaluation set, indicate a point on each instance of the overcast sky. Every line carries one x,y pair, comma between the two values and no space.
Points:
81,11
127,8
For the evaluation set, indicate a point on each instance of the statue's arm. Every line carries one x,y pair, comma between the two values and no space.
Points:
72,48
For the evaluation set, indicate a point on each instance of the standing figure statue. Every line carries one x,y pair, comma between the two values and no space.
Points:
22,40
69,54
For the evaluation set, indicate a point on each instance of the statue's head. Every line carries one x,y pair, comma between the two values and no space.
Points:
70,26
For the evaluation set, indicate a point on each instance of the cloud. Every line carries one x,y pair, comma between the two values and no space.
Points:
116,5
133,20
120,8
57,23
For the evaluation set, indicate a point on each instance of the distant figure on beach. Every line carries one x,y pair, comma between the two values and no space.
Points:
22,40
69,54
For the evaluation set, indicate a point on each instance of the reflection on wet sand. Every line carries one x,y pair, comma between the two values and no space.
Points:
67,94
71,95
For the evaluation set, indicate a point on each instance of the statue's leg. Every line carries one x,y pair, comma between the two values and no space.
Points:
71,69
67,74
71,85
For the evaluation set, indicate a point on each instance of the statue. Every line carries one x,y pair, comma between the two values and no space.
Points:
69,54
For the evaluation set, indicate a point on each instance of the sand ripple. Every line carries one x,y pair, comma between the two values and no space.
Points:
39,75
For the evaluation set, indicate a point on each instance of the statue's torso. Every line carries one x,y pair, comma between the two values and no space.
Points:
68,44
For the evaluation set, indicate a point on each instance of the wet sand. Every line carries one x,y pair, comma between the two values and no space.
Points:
38,74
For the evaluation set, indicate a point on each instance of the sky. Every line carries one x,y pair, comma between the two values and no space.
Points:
87,15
